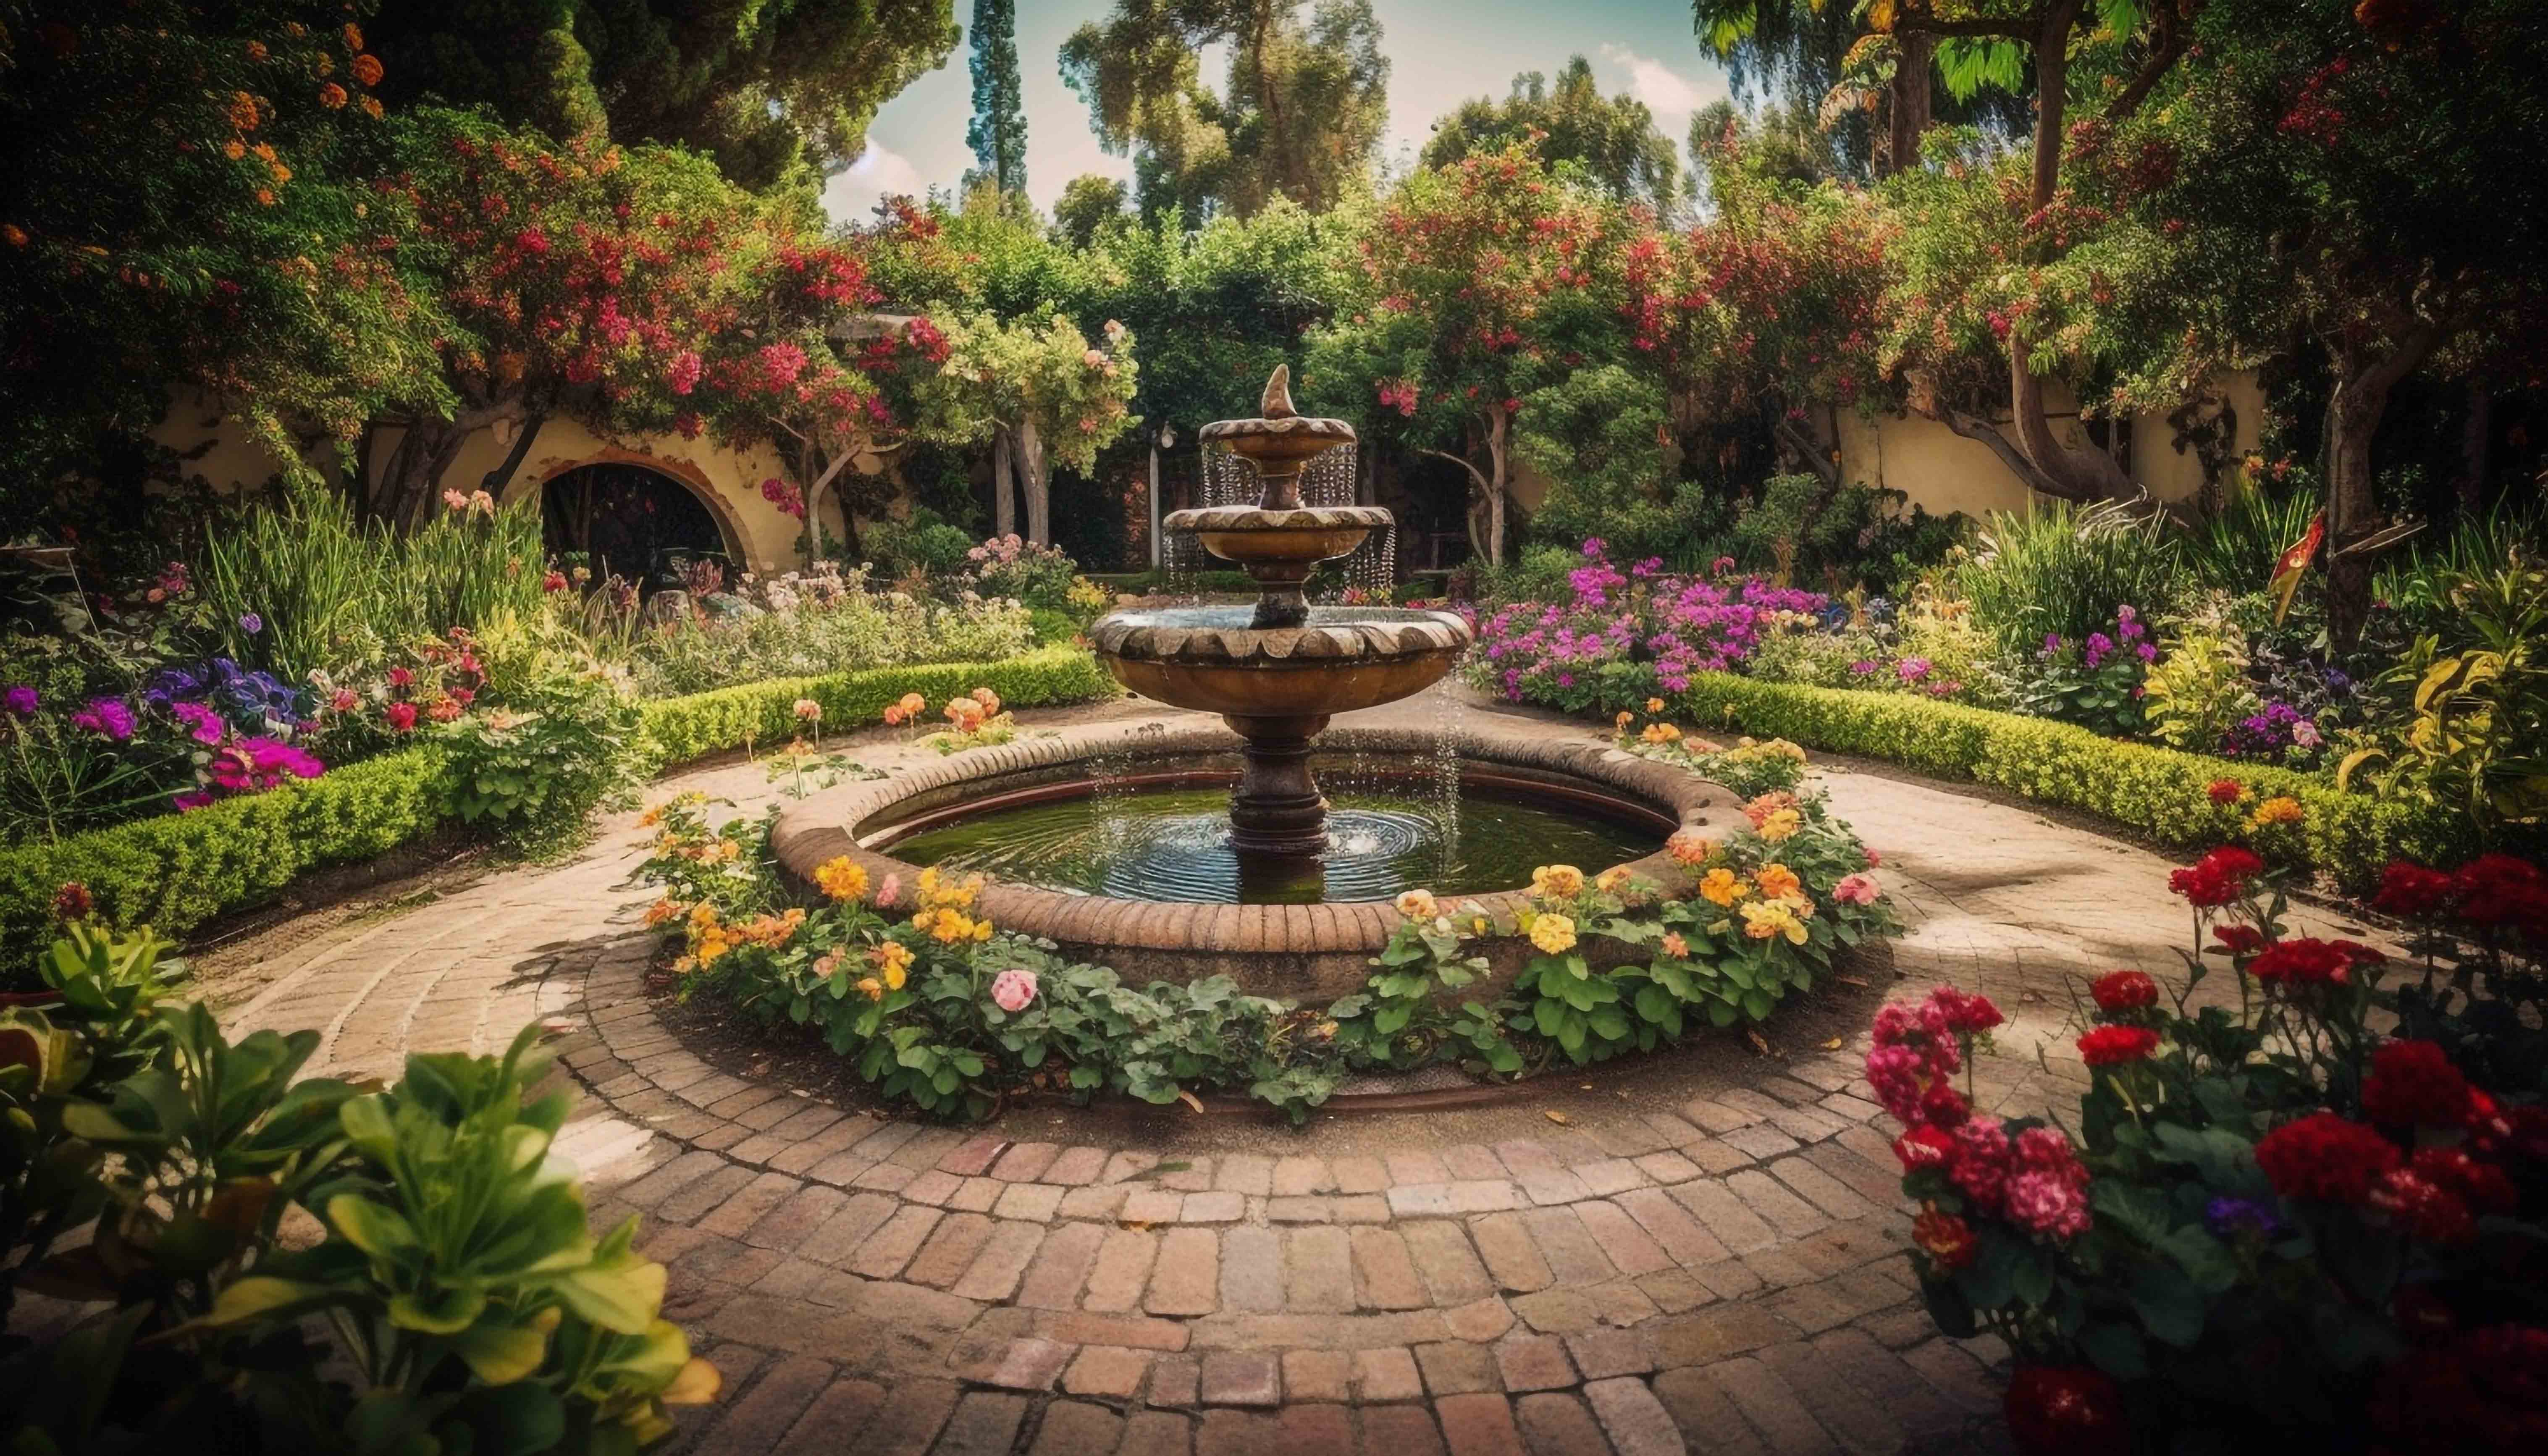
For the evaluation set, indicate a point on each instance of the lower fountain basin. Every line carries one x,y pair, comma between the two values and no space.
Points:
1293,948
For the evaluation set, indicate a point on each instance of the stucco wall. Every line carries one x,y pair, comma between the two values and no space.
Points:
727,481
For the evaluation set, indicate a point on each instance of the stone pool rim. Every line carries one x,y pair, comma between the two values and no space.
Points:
1311,953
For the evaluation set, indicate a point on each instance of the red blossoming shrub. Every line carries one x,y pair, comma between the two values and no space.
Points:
2270,1220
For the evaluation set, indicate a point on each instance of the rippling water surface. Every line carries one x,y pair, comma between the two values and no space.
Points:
1174,844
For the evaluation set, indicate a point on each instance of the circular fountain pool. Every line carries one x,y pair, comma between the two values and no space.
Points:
1163,903
1169,840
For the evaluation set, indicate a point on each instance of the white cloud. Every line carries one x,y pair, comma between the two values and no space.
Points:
1669,93
880,172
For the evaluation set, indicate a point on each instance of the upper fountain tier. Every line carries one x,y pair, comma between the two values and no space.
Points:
1278,541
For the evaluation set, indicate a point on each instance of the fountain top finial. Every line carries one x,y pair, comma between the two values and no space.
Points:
1277,402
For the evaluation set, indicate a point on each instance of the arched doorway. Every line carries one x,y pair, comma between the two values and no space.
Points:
641,523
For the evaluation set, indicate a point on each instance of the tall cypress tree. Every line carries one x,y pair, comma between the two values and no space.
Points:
998,133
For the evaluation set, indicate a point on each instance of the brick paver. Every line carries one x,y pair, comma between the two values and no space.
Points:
1713,1264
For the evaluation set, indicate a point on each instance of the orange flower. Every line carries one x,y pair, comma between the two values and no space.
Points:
256,51
243,111
234,148
266,197
16,235
1777,880
367,69
332,96
354,35
372,106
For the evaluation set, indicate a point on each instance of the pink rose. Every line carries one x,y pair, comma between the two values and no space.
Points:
888,891
1014,989
1874,858
1856,890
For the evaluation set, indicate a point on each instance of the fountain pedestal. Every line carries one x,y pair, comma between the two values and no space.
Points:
1278,670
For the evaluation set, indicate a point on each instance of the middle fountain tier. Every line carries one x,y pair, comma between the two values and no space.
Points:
1277,670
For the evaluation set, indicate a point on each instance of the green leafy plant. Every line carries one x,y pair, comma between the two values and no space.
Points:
1408,1012
2199,687
2061,571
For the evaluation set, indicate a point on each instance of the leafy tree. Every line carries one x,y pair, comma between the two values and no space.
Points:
1613,140
1040,393
635,288
775,93
1490,278
2357,176
180,204
1298,116
1088,205
998,131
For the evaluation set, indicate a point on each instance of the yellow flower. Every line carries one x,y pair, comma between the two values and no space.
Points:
1777,880
2279,810
951,926
1554,934
841,878
1561,881
663,910
1611,880
1721,887
1766,918
892,956
651,817
873,987
1418,905
1659,733
1653,704
727,848
704,915
1621,722
1780,825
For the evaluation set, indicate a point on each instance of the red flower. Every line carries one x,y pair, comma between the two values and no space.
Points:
1946,1240
2499,890
401,677
2112,1045
2483,1391
1925,1147
1944,1106
1966,1012
553,582
2413,1084
2124,990
2310,962
2240,939
402,716
2414,891
2421,1209
2484,1185
2216,879
2064,1411
72,902
2325,1158
2224,791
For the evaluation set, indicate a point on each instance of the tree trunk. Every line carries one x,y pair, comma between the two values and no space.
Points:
1498,422
2353,413
503,474
1035,479
2476,432
403,497
1004,510
1908,100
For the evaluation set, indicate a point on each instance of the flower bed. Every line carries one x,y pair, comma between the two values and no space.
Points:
2280,1220
176,872
934,1006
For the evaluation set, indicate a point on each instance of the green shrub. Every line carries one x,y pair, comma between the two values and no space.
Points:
176,872
679,729
2064,570
2161,793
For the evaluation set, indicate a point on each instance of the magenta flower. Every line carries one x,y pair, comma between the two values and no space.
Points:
205,725
21,701
107,717
1014,989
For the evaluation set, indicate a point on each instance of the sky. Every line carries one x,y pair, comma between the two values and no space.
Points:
1440,53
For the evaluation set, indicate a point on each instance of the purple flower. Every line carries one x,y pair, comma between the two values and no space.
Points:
2052,643
1911,668
2145,652
251,623
2227,1217
1862,666
108,717
1595,548
21,701
2099,645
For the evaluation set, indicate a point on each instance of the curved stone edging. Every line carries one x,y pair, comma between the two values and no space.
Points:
1314,950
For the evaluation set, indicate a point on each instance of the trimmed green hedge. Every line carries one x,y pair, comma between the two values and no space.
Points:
176,872
676,730
2157,792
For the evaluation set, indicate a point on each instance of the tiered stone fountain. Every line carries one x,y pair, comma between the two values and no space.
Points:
1276,673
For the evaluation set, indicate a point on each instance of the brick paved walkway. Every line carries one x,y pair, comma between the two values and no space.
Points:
1712,1263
